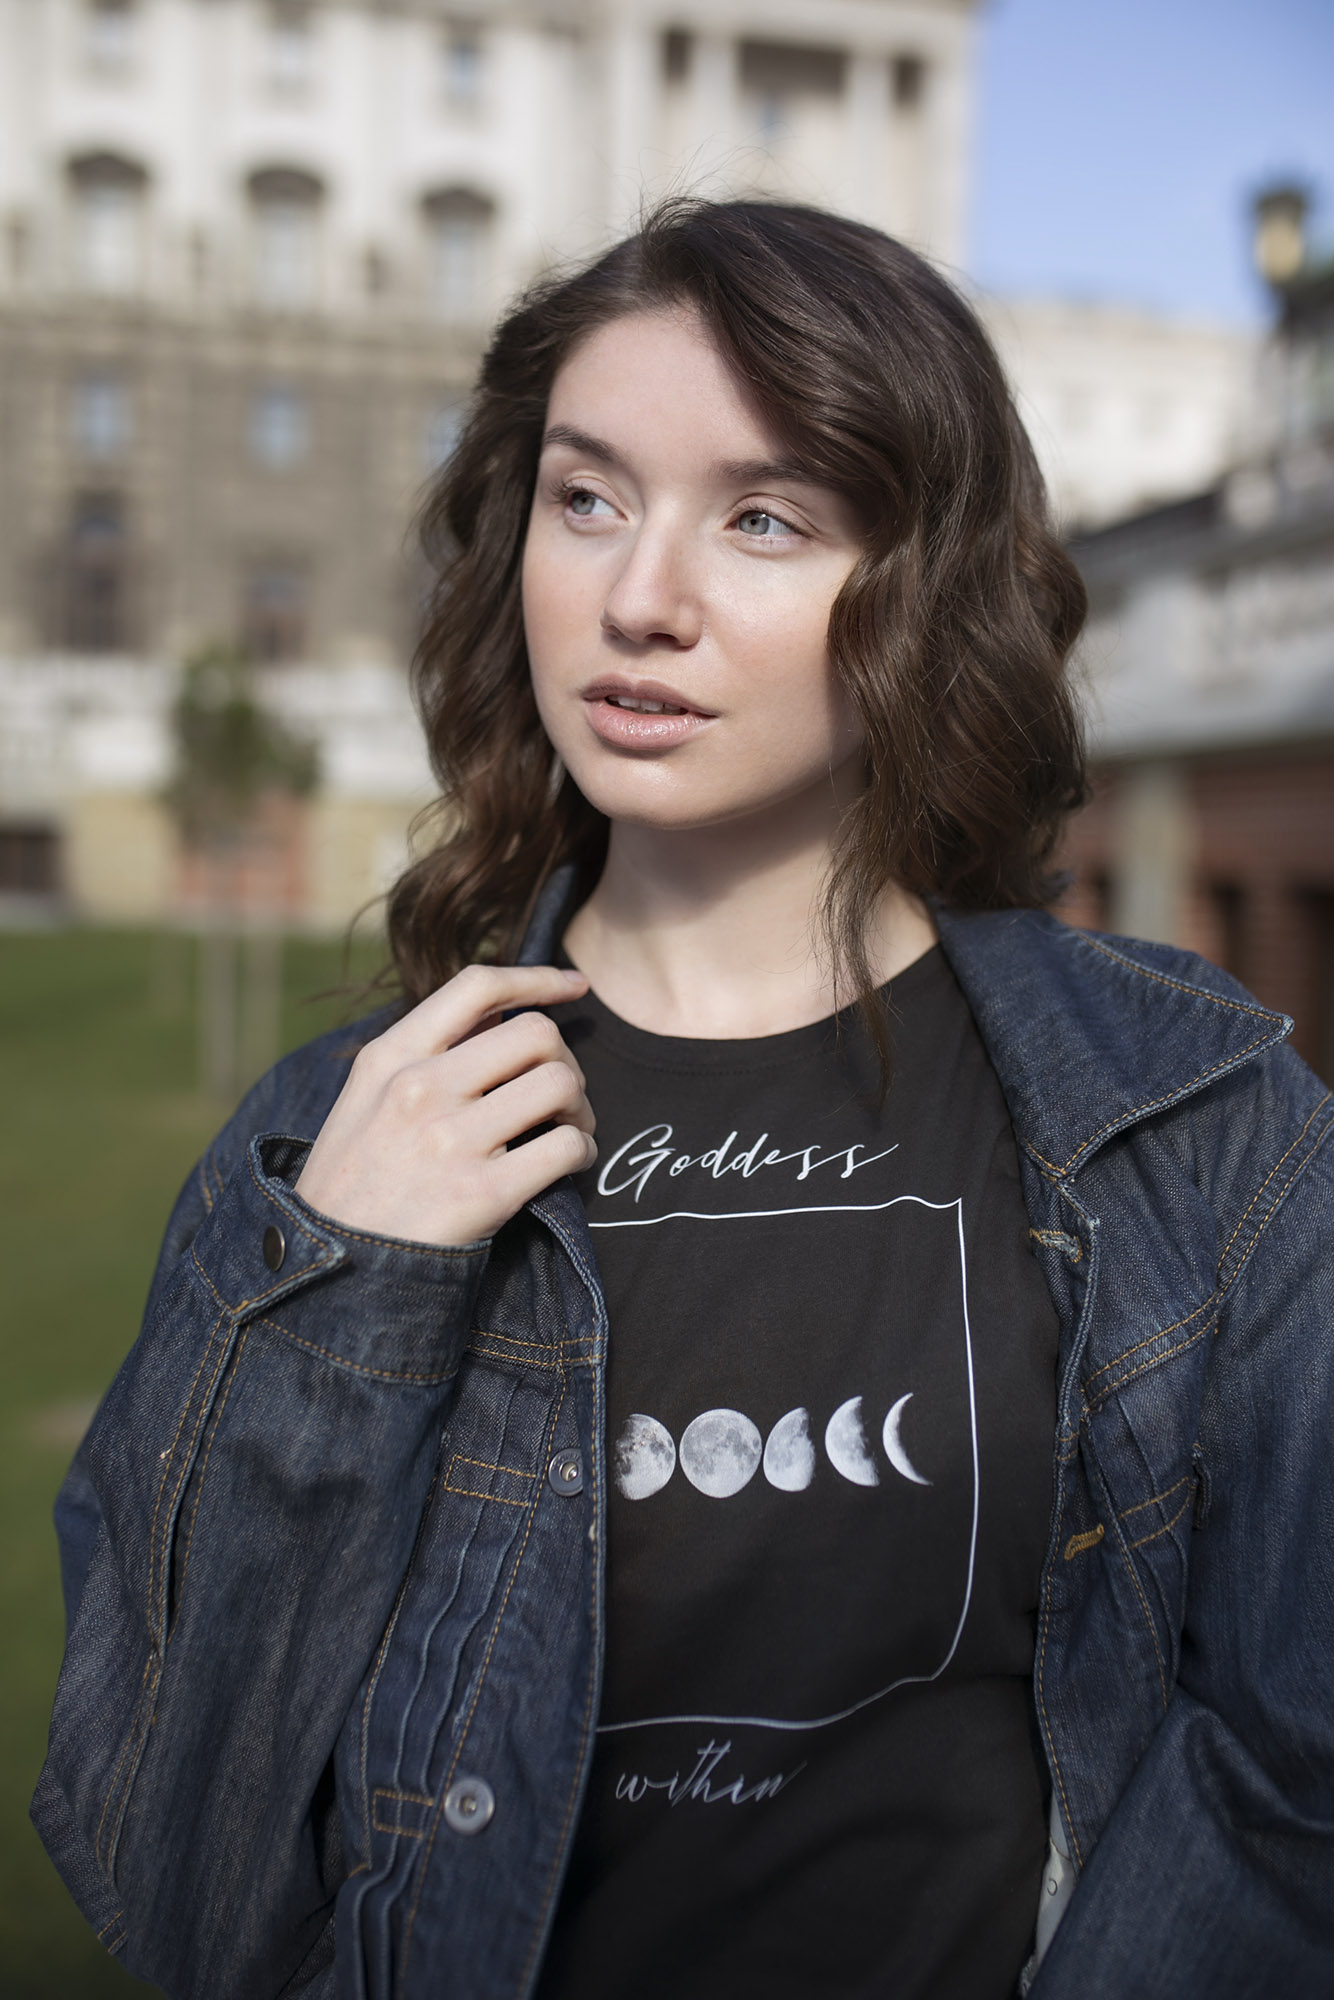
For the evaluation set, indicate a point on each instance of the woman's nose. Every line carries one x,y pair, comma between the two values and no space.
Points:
655,599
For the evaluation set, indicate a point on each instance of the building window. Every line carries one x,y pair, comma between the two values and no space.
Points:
279,426
108,196
18,246
441,433
908,82
285,207
461,64
96,576
274,612
100,418
774,75
29,860
676,44
289,52
108,29
459,227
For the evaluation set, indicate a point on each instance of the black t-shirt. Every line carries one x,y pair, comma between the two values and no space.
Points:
831,1404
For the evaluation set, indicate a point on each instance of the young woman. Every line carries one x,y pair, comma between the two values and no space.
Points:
709,1560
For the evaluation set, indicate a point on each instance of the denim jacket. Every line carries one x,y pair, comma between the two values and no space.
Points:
333,1548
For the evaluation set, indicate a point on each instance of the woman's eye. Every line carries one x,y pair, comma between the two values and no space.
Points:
584,504
760,526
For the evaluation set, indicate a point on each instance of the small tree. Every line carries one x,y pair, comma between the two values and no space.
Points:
231,753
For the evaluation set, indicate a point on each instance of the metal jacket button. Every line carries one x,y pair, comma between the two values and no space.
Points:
275,1247
469,1805
565,1474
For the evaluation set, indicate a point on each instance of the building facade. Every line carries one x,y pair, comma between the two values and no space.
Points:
1210,661
249,250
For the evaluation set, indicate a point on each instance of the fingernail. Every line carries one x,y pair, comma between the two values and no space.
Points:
572,973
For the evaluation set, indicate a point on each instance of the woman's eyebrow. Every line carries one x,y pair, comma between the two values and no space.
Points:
582,442
759,471
728,472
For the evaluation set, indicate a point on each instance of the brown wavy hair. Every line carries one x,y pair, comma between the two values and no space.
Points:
951,633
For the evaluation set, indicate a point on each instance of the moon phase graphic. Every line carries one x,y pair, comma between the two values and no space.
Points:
893,1443
845,1442
720,1452
789,1456
645,1457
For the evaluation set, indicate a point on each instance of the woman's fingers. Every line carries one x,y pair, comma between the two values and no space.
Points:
552,1092
420,1143
471,998
528,1169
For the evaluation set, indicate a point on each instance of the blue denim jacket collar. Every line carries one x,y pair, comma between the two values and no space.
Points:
1085,1040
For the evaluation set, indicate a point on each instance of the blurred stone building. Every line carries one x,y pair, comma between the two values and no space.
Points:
249,250
1210,657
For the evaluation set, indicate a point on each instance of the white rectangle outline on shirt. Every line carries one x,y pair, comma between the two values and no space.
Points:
906,1680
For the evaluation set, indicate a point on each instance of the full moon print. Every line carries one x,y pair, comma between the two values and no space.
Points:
720,1452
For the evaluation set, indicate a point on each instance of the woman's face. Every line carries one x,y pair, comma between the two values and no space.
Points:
677,582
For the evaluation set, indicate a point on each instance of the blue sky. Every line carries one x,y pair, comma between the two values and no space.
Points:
1118,141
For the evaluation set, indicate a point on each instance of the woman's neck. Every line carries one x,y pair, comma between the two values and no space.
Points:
716,933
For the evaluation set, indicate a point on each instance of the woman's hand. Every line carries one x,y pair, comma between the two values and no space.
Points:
419,1143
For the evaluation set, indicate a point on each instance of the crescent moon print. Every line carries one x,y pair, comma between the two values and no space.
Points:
845,1442
720,1453
789,1456
645,1457
893,1443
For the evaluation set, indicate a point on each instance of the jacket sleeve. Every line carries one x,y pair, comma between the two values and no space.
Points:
1215,1873
233,1533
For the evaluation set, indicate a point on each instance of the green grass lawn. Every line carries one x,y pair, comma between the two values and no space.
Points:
101,1116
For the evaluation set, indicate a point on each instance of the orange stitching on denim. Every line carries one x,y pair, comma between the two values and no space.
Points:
355,1367
110,1924
467,1493
203,1466
1274,1205
383,1650
168,1466
1270,1175
1166,1526
357,1236
157,1576
1059,1239
461,1739
558,1362
204,1188
1148,1619
1219,1294
1128,1117
1077,1544
130,1742
1144,1368
512,1340
485,1465
398,1798
115,1943
1196,992
1140,1505
1149,1341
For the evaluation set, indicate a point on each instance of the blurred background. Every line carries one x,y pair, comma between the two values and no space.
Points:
249,251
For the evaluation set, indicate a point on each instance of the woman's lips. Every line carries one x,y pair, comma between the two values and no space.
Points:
641,721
